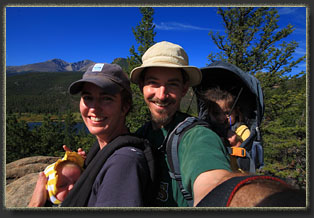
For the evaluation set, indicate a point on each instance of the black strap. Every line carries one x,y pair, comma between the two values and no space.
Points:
79,195
91,154
222,195
235,102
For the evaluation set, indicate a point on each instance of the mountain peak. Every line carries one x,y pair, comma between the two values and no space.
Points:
57,60
58,65
81,65
52,65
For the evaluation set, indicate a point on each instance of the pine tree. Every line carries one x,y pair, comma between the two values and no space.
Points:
144,35
284,131
253,41
19,140
49,137
70,130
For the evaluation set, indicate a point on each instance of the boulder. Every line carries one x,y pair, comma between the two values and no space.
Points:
21,177
19,192
22,167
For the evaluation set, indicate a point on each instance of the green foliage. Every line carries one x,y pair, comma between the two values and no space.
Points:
139,113
253,41
46,139
69,129
144,35
286,101
285,152
284,130
19,140
40,92
122,62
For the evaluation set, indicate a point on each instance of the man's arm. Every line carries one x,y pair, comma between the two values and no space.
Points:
257,192
209,180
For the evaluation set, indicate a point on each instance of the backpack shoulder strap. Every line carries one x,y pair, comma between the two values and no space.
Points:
172,146
79,196
143,130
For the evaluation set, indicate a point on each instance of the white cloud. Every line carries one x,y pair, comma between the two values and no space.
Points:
287,10
300,51
178,26
298,14
301,31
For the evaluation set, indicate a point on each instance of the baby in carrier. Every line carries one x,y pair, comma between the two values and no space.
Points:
223,112
226,118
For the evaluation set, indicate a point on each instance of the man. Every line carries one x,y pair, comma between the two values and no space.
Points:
164,78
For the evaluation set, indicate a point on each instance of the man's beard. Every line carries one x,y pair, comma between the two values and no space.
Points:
163,117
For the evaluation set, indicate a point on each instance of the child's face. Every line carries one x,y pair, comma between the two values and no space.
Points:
220,113
67,176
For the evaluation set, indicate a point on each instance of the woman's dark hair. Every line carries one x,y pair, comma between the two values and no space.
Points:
126,100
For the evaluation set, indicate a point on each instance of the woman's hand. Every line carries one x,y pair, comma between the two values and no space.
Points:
40,194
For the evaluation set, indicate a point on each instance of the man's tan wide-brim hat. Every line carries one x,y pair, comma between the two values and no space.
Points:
167,54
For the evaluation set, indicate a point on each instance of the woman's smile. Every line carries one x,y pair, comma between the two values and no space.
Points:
97,119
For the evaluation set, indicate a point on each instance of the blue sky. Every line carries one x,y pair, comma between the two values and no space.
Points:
101,34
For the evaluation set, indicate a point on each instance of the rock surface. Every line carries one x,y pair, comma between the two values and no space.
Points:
21,177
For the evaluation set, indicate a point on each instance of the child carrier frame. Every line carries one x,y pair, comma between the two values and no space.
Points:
251,101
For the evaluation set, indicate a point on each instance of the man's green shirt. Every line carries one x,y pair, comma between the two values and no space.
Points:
200,150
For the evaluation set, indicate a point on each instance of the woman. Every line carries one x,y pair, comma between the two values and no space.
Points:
123,177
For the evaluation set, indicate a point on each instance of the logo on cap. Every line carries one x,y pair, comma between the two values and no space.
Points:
97,67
